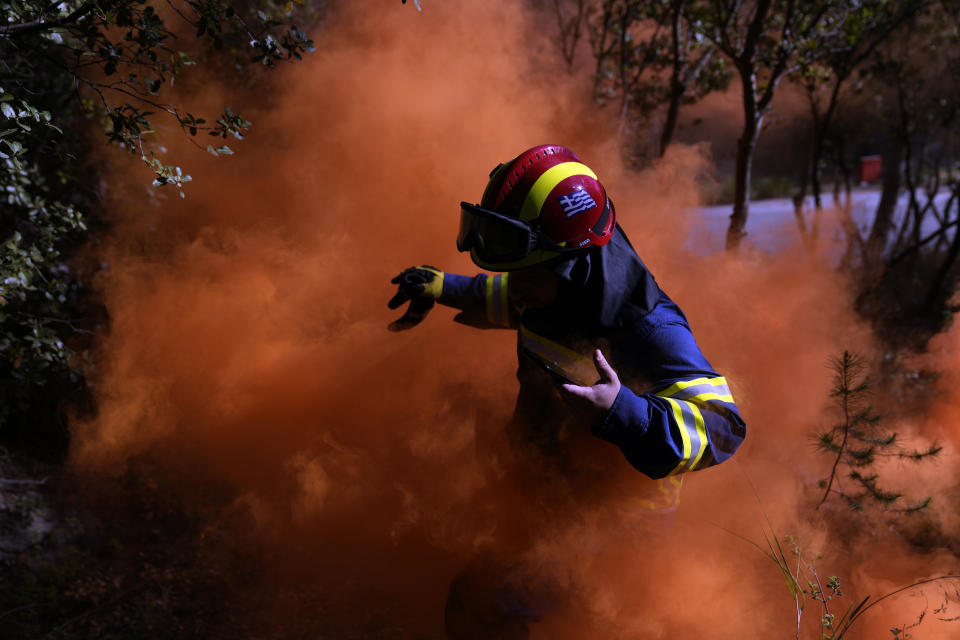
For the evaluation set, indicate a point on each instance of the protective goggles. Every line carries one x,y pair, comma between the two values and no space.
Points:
496,238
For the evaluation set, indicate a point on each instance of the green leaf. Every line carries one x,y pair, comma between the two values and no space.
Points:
8,110
225,150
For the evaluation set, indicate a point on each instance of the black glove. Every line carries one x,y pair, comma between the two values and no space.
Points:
422,286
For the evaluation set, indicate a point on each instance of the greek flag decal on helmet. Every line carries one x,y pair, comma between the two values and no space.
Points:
575,202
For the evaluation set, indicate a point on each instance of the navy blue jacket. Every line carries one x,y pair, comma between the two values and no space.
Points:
673,413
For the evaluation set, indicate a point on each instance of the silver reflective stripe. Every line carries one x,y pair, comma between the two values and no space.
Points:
688,420
703,392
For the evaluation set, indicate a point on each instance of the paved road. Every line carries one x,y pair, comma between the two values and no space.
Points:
771,226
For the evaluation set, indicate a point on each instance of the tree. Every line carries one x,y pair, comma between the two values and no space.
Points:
571,28
630,44
122,53
645,56
858,441
762,39
62,64
909,265
925,123
695,70
844,47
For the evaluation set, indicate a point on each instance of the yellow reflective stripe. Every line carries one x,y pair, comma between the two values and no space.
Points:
555,346
704,397
575,366
505,301
490,300
684,435
701,432
697,390
497,300
545,184
683,384
684,427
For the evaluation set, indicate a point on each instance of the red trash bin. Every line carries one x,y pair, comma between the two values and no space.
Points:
870,168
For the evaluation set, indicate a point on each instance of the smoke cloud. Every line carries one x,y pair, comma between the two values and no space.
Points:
248,355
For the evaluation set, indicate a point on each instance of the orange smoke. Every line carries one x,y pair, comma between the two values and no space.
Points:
248,349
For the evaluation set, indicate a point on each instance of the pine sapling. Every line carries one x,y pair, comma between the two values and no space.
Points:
857,442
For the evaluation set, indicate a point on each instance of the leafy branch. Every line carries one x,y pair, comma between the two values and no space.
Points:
64,64
123,52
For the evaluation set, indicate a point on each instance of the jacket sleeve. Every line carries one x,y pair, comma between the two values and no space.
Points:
689,425
482,299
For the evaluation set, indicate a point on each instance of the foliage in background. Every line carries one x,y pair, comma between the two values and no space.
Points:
45,191
647,59
857,443
805,585
919,101
765,188
63,64
123,54
128,560
828,72
876,76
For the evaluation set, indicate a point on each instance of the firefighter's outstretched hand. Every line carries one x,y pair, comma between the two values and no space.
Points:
599,398
422,286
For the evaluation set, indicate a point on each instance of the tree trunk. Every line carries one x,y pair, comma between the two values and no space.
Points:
844,168
854,240
741,190
752,119
800,197
816,155
677,88
673,110
883,219
816,161
940,279
569,33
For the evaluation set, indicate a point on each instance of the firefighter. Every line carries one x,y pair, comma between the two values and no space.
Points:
604,356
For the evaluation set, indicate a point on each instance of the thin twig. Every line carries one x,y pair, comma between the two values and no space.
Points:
20,608
845,390
41,25
25,482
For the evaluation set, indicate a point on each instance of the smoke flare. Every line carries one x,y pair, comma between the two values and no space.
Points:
249,357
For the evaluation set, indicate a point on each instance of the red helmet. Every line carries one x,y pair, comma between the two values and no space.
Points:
542,204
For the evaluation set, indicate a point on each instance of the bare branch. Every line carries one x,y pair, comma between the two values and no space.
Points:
16,30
